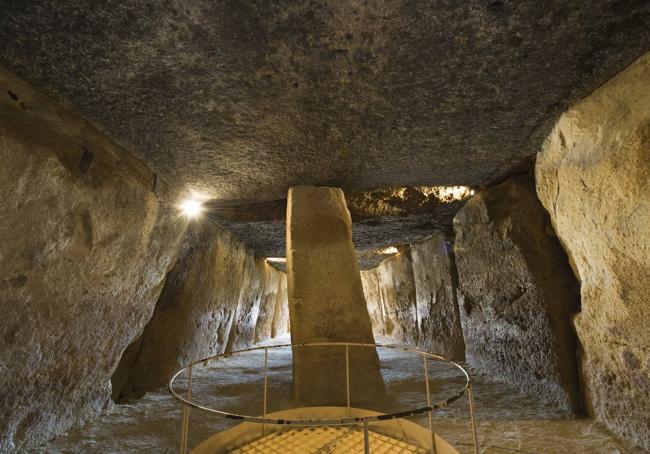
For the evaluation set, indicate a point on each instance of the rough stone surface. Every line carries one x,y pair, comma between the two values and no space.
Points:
395,297
245,98
412,297
326,302
273,317
372,293
517,293
85,246
210,304
592,176
436,281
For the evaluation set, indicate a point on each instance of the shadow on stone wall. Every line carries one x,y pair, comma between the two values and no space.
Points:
517,293
217,298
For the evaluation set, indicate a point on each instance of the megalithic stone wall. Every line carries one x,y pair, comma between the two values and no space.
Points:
517,293
86,238
326,301
217,298
412,298
593,176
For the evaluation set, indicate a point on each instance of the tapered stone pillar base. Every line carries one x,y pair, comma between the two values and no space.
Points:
326,301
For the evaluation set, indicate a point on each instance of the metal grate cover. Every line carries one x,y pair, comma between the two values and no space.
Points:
321,440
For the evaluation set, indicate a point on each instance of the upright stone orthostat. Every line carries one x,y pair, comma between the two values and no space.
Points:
412,298
210,304
592,176
85,243
517,293
326,301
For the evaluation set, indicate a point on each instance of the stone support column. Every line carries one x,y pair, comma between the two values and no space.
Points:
326,301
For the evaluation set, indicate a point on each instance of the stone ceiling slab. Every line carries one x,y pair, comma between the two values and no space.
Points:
241,100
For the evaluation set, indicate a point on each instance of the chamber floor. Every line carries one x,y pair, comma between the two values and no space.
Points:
509,422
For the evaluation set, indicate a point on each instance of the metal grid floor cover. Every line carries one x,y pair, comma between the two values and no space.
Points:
326,440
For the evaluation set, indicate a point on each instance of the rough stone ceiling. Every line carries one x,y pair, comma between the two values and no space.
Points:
242,99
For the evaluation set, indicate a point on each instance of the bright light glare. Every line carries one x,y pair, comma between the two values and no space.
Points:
276,259
447,194
191,208
389,250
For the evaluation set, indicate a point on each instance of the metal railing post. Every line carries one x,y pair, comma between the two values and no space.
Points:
366,438
347,376
182,449
266,370
430,412
185,413
470,396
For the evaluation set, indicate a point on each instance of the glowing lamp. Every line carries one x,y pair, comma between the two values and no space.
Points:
191,208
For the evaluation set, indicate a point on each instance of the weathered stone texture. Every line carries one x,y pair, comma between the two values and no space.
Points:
592,176
438,318
273,317
517,293
372,292
326,302
396,287
355,94
211,304
281,319
85,246
412,297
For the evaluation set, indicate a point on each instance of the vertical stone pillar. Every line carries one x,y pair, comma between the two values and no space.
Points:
326,301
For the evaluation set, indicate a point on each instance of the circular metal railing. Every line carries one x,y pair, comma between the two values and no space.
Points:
429,408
